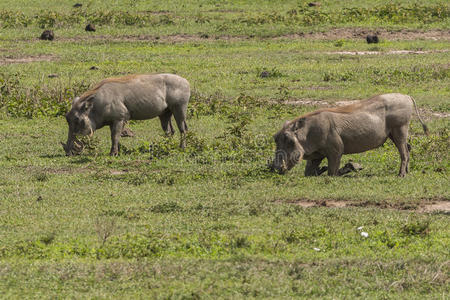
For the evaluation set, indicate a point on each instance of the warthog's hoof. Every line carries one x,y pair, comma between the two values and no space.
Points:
349,167
126,132
322,170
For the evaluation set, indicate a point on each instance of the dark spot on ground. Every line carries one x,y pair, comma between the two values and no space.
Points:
264,74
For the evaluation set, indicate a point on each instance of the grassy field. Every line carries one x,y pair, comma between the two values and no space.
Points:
212,221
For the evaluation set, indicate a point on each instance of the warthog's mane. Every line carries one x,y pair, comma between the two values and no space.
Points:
123,79
341,109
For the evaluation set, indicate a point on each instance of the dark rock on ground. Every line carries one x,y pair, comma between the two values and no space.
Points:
76,5
90,27
372,39
47,35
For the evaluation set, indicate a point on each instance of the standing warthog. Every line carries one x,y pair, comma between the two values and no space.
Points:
355,128
114,101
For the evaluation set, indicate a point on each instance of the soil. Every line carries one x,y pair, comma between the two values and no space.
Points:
383,34
425,206
386,52
25,59
333,34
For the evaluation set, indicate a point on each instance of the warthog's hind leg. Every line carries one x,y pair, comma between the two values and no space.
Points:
179,113
166,122
408,147
399,136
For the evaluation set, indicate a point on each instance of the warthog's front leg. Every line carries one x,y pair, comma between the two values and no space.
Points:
334,162
116,129
312,167
334,154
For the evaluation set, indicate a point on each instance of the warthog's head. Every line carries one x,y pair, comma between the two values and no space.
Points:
288,152
79,124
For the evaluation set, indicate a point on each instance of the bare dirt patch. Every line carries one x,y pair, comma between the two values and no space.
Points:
119,172
177,38
443,206
423,206
333,34
361,33
385,52
25,59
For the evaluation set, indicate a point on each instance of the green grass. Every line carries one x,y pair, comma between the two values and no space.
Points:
212,221
305,69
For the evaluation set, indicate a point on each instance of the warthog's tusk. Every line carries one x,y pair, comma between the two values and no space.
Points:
283,165
92,133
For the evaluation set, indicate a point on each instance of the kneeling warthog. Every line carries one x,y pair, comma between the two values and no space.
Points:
355,128
114,101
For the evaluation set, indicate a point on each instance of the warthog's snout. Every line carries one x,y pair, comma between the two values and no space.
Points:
73,147
284,161
279,163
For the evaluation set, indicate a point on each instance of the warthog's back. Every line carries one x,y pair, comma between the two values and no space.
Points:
143,96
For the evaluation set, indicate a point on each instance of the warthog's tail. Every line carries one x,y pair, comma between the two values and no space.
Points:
425,128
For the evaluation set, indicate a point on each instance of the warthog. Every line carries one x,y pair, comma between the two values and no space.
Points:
114,101
355,128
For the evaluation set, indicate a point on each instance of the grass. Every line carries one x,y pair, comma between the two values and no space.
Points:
305,69
212,221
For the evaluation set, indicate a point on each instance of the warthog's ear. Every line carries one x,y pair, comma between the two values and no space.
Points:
298,124
75,100
88,103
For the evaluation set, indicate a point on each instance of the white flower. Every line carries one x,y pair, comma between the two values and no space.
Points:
316,249
360,227
364,234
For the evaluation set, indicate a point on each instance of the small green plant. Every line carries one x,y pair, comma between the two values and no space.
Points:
167,207
41,176
339,43
268,73
104,227
416,227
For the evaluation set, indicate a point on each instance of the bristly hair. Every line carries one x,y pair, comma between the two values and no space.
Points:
122,79
340,109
